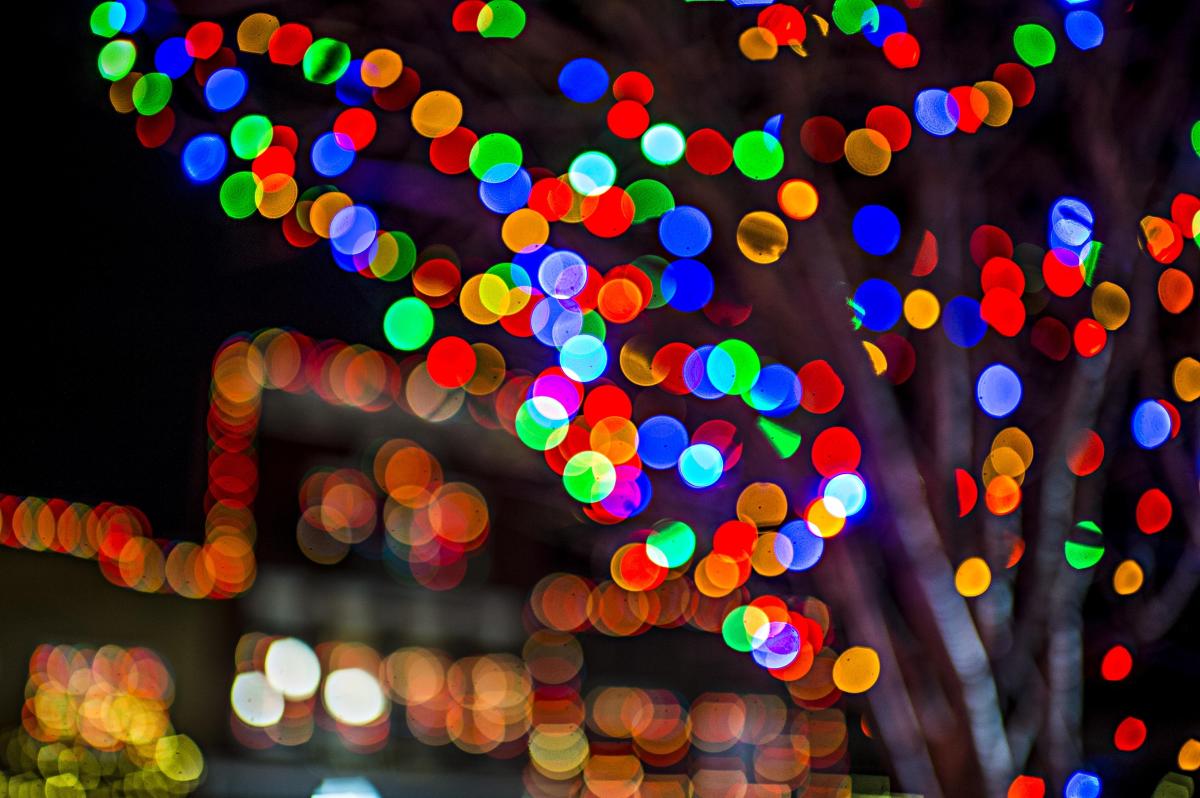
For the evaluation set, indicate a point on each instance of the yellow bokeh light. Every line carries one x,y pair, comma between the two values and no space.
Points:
1128,578
758,44
764,560
999,100
1186,379
497,297
763,504
1189,755
636,361
524,230
868,152
878,358
324,208
472,304
973,577
856,670
762,236
381,68
254,34
921,309
1110,305
1016,439
798,199
178,757
436,113
276,195
825,521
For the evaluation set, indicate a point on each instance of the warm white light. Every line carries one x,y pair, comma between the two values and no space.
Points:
292,668
354,697
255,701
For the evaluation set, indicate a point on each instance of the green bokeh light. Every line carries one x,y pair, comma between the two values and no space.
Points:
107,19
594,325
651,199
538,432
758,155
250,136
733,630
501,19
1084,546
116,59
1034,45
746,367
852,16
238,195
589,477
784,441
151,93
325,60
406,257
408,324
495,157
672,545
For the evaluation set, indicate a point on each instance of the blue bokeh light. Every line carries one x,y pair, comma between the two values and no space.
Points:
701,465
998,390
583,80
204,157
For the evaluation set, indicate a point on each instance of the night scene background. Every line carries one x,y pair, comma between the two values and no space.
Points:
605,399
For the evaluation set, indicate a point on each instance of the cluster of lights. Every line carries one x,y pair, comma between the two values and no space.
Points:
97,721
432,525
501,706
557,298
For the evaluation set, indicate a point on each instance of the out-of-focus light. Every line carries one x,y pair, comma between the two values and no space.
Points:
998,390
583,358
1071,224
592,173
701,465
661,439
355,787
1082,785
1189,755
225,89
876,229
292,668
847,493
583,80
796,546
1084,29
204,157
936,112
663,144
1151,424
972,577
1027,787
255,701
775,644
354,697
856,670
1117,664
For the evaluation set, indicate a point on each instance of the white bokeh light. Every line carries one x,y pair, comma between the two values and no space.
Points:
292,668
354,697
255,701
